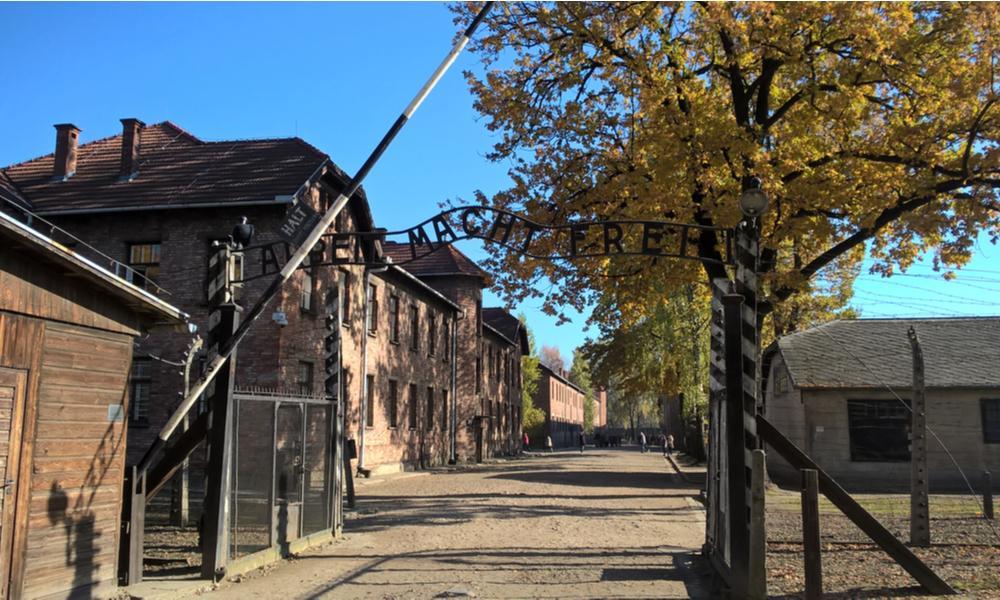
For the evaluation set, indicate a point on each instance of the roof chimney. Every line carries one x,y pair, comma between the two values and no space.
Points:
66,138
131,138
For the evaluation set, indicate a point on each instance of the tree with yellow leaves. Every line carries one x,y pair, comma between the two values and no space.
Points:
868,124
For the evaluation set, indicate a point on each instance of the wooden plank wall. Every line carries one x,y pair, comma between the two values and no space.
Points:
46,293
76,455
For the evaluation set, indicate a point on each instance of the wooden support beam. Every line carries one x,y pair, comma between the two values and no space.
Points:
810,535
173,458
218,480
854,511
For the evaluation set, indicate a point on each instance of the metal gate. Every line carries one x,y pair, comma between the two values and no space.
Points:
283,469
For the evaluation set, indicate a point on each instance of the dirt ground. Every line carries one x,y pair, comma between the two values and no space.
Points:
964,551
609,523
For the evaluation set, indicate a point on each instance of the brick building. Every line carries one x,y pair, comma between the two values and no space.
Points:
156,197
563,402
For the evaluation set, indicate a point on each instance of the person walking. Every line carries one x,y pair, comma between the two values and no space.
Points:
548,442
642,442
670,444
524,442
663,443
583,440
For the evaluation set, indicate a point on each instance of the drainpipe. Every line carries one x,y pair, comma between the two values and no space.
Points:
453,425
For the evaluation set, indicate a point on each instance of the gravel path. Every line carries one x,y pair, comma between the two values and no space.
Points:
603,524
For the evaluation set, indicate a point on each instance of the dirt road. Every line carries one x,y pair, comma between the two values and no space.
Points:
603,524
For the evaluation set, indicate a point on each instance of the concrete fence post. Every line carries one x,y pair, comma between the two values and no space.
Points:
757,564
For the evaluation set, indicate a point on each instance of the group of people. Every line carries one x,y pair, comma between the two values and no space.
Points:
665,441
525,441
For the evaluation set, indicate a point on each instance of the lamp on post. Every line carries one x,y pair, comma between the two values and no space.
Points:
753,200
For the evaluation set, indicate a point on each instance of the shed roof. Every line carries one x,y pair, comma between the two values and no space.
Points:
872,353
24,239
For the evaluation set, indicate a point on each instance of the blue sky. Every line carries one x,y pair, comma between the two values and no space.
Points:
336,75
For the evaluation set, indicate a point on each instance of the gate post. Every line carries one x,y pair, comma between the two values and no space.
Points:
223,320
334,388
715,530
735,440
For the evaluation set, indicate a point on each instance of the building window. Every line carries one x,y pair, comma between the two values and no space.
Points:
444,410
141,384
394,319
878,430
991,420
479,374
144,260
306,300
429,417
414,327
490,364
479,317
446,351
372,323
432,334
305,377
345,297
393,403
370,402
781,381
413,406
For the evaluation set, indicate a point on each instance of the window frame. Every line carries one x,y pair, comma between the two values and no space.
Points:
896,413
990,436
310,378
307,299
431,334
143,267
344,281
370,401
146,381
372,313
413,408
415,327
394,318
392,397
429,418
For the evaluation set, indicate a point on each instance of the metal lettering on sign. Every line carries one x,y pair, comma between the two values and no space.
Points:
550,242
299,222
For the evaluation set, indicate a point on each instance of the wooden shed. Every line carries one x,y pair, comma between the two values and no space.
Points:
66,338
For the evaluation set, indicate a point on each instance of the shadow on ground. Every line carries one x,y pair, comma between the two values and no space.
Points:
580,565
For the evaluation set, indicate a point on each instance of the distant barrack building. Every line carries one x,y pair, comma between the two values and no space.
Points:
563,403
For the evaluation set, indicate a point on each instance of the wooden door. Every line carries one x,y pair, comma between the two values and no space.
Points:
12,384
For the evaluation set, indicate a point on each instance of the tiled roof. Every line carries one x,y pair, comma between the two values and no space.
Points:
175,169
446,260
9,191
507,325
868,353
